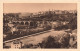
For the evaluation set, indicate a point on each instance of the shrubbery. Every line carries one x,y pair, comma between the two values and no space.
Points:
50,42
71,25
17,34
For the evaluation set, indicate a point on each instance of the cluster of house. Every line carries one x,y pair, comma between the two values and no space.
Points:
13,18
38,14
16,22
15,44
13,21
25,25
40,24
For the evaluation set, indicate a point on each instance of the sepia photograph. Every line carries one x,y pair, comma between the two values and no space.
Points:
39,25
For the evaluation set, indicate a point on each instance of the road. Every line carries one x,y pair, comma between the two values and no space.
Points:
38,38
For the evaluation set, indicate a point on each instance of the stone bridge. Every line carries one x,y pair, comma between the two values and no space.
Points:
31,23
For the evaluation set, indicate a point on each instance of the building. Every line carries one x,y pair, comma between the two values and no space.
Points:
16,44
55,24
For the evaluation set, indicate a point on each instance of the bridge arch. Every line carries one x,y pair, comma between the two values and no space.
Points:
22,23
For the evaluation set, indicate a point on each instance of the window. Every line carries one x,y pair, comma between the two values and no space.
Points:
31,23
26,23
17,47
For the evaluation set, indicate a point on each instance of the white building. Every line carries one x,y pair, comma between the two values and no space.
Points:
16,44
55,24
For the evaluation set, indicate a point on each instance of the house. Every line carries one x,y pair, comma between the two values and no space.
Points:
4,35
16,44
55,24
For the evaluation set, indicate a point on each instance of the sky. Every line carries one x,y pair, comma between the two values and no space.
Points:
36,7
